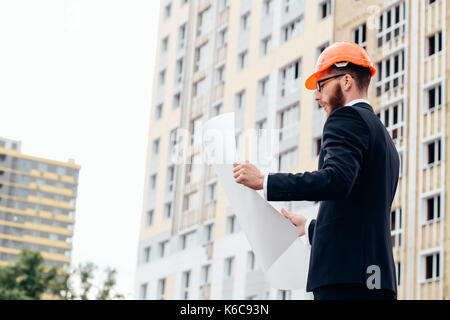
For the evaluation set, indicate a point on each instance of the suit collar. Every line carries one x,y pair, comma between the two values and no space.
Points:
363,103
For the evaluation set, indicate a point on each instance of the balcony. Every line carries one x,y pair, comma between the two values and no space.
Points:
189,219
205,291
209,211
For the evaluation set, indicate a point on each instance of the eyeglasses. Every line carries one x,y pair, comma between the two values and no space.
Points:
319,83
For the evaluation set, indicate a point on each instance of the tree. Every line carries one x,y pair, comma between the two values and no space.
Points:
29,278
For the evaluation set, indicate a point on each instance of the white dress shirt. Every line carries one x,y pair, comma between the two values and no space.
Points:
266,176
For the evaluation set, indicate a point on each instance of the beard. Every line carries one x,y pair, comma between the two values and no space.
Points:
336,99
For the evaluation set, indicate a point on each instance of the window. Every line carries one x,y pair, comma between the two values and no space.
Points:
434,96
187,240
284,295
434,152
164,45
176,100
182,36
220,75
211,195
149,217
205,274
156,147
399,272
164,248
250,261
217,109
390,73
167,11
200,87
262,87
401,166
183,2
393,120
172,140
242,60
196,130
240,101
292,29
288,122
433,209
147,254
391,24
161,289
153,182
185,283
317,145
223,5
262,139
290,5
435,43
288,160
324,9
266,45
179,71
267,7
359,35
322,48
170,177
201,57
245,20
432,266
290,78
231,224
143,293
158,111
396,227
229,267
168,210
203,22
190,201
208,233
223,38
162,78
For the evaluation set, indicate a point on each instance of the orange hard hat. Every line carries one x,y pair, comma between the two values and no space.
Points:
345,51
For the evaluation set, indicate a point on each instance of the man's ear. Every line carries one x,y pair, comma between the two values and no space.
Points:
348,82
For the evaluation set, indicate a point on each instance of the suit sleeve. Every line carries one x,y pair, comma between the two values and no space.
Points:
345,142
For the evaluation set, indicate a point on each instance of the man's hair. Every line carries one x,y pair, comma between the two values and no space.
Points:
361,74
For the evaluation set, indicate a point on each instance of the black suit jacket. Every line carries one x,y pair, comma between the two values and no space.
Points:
355,184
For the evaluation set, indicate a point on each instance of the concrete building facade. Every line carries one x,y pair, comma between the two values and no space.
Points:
252,57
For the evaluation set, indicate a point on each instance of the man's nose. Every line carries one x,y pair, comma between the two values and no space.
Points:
317,95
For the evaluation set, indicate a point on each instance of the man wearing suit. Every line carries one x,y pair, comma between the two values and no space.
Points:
351,248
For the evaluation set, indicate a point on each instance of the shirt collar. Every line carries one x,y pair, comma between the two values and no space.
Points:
353,102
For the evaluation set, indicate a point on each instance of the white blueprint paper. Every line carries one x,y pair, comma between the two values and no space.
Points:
283,256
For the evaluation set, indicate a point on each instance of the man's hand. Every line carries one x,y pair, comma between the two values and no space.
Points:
247,174
297,220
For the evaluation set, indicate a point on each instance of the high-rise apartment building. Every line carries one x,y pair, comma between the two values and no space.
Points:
37,205
407,42
251,57
215,57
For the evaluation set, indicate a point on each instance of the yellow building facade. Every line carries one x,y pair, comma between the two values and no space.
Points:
407,42
37,205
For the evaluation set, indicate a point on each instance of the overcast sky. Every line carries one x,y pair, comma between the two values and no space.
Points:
75,82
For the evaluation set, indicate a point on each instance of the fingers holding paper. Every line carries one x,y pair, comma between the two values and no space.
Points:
297,220
247,174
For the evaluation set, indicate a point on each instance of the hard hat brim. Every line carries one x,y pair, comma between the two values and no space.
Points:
311,82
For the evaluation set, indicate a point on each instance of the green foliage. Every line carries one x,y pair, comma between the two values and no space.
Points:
29,279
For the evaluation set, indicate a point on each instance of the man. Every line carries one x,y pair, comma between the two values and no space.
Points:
351,248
